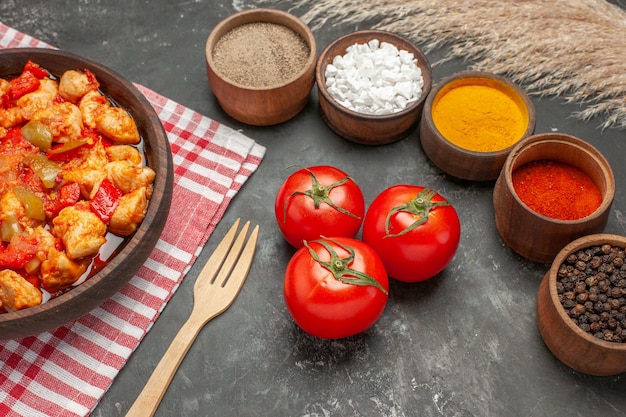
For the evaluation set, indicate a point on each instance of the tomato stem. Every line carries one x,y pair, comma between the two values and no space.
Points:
420,206
320,194
340,267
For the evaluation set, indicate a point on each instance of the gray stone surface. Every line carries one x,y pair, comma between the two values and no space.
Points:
462,344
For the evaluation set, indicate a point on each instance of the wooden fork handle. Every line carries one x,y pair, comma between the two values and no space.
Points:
148,400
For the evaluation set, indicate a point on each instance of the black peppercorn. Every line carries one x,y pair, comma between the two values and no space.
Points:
592,281
591,285
595,262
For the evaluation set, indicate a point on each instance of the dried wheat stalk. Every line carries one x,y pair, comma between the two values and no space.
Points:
575,49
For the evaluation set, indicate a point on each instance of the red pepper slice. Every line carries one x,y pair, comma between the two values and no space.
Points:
31,180
91,78
92,137
15,143
5,101
68,195
36,70
105,200
18,252
25,83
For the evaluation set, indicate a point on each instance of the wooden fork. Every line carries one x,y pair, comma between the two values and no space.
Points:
212,296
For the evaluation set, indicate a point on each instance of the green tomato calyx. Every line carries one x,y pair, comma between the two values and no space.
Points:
420,206
340,267
320,194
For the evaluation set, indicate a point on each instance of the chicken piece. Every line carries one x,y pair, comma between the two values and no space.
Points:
11,206
88,171
116,124
16,292
4,86
129,213
11,117
91,105
124,153
87,180
128,177
45,242
8,117
58,271
39,99
73,85
64,120
81,230
94,157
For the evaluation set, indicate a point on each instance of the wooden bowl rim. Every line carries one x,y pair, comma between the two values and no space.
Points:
262,15
360,36
569,140
162,186
467,75
583,242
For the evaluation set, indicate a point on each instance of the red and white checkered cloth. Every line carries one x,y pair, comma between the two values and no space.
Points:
66,371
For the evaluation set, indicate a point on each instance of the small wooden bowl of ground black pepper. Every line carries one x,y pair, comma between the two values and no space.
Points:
553,188
471,121
261,65
581,305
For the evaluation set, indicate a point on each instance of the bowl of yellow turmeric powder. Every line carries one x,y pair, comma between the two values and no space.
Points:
471,121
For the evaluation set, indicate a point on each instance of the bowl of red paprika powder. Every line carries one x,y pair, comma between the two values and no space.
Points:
471,121
553,188
581,305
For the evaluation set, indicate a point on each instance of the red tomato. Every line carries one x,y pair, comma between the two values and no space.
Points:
318,201
335,287
415,231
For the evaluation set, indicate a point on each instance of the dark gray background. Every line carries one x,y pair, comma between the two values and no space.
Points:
462,344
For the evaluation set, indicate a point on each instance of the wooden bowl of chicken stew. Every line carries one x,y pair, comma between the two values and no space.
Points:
85,186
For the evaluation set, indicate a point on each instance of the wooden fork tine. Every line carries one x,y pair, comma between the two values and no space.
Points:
215,261
239,273
233,255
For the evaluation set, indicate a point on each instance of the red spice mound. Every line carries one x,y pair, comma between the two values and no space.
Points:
556,190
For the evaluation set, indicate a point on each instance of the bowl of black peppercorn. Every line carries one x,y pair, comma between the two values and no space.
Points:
581,305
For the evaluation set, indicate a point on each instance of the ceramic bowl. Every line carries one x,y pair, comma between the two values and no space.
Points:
572,345
448,154
97,289
535,236
363,128
262,105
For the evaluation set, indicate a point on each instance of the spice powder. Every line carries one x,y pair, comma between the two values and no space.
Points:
557,190
478,116
260,54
